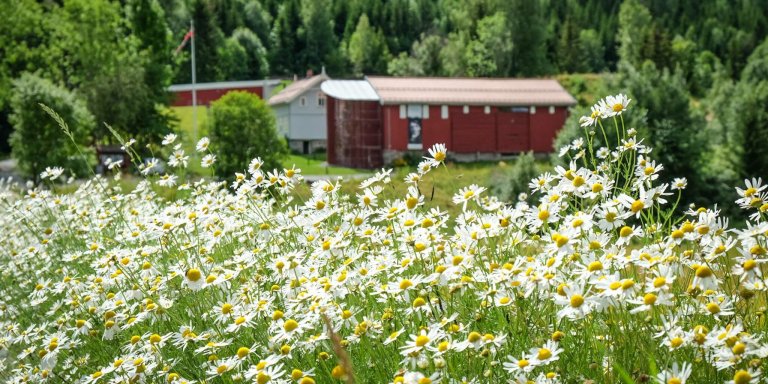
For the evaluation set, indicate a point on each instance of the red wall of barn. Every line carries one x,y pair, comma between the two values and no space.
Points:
207,96
497,131
544,127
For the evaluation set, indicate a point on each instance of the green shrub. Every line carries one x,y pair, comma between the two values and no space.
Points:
509,182
242,127
38,140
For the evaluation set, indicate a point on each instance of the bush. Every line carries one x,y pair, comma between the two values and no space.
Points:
38,141
510,182
242,127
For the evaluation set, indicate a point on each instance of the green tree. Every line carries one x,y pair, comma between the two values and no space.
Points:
529,36
367,49
24,46
258,20
672,128
148,24
242,127
233,60
320,46
424,59
635,29
489,54
509,182
750,106
453,54
285,45
208,40
256,53
592,51
38,141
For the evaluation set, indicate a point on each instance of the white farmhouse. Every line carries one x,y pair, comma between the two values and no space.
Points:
301,114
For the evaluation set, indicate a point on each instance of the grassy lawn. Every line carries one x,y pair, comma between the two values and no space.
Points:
316,165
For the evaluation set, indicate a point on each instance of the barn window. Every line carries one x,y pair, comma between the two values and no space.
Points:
320,99
551,110
533,109
402,111
487,109
466,109
415,110
425,111
303,101
444,112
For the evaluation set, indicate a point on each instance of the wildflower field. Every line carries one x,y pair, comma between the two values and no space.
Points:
595,276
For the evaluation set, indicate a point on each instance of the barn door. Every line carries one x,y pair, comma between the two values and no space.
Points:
513,134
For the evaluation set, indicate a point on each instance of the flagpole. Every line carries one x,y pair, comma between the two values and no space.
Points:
194,86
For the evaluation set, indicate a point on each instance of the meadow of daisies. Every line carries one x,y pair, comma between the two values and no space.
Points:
595,276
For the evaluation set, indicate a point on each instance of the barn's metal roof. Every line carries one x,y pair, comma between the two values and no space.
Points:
224,85
470,91
297,88
350,90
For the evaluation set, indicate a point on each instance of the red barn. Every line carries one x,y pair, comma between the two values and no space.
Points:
210,92
477,118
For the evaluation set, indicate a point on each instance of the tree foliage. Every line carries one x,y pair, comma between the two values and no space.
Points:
367,49
38,141
242,127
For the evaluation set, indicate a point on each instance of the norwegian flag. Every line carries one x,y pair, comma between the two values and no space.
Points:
187,36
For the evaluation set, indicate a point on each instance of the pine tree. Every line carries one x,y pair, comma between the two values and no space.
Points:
285,45
367,49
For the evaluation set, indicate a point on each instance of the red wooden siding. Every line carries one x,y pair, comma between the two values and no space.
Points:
207,96
360,131
512,133
501,130
544,127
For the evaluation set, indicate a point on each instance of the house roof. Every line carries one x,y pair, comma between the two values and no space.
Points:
223,85
350,90
297,88
470,91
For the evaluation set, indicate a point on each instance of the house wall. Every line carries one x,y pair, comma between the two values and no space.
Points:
207,96
502,130
545,126
308,121
282,118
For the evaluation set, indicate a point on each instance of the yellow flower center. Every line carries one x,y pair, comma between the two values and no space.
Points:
577,300
290,325
742,377
194,275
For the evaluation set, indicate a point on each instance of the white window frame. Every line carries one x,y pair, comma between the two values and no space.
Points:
425,111
444,112
402,111
487,109
533,109
320,99
466,109
551,109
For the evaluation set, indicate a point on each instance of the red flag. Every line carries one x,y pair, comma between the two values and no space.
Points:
184,42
